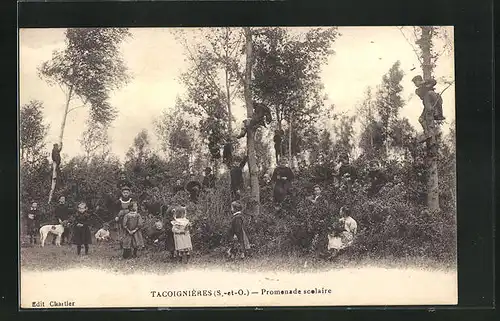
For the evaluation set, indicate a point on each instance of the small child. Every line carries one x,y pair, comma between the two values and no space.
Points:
237,232
32,224
182,237
103,234
81,232
123,205
132,236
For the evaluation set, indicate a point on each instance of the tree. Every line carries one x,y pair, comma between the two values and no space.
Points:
177,134
424,38
87,69
379,115
388,101
287,77
140,150
252,161
263,150
32,132
95,140
425,44
345,134
215,56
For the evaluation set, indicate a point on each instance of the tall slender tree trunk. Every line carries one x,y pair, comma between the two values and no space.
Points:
228,93
290,142
252,157
61,135
425,44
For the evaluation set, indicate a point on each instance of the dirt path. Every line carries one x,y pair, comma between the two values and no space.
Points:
102,280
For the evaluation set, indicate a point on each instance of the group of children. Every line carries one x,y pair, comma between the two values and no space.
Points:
130,226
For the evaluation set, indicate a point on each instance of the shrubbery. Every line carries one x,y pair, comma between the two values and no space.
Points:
390,224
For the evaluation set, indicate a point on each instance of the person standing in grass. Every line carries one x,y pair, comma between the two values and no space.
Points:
81,230
61,213
182,237
237,234
132,235
123,208
32,222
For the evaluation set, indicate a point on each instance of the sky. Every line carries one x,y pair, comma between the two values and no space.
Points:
155,60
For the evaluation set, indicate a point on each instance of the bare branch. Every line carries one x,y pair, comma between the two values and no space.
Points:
413,48
70,110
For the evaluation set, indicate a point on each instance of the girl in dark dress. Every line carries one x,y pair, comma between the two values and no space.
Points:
32,222
169,235
81,230
283,177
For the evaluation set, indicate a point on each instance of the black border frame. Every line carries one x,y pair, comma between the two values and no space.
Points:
474,64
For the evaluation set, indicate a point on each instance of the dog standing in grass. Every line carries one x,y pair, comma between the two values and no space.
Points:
56,230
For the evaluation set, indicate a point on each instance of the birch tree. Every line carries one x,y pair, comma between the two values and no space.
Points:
87,70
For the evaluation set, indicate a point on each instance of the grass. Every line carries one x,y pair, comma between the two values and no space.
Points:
108,257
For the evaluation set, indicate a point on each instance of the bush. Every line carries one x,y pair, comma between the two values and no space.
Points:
390,224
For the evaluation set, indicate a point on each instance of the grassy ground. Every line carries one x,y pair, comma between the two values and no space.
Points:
108,257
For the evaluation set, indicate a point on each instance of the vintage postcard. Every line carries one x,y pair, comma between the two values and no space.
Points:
237,167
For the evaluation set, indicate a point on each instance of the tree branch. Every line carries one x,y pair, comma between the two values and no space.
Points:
70,110
413,48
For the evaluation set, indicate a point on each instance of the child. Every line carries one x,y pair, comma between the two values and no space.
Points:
344,232
81,231
32,224
132,236
169,234
103,234
123,208
182,237
237,232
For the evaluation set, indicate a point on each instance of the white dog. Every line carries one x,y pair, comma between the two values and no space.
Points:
56,230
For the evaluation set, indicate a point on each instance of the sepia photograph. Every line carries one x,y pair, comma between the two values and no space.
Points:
237,167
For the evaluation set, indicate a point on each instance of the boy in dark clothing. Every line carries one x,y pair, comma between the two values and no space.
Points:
62,213
32,223
237,234
237,183
433,105
209,179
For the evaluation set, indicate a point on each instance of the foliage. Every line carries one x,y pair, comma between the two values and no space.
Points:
212,82
345,134
381,125
286,75
32,132
95,140
90,66
263,150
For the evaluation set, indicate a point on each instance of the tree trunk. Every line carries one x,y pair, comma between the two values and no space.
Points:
61,135
290,143
252,158
425,43
228,93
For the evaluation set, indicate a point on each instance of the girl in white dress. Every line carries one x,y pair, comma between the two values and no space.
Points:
182,237
344,232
